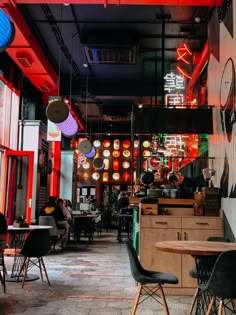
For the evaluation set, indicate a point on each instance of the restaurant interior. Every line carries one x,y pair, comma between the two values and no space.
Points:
97,96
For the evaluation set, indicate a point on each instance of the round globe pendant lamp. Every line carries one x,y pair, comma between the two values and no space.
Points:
7,31
58,113
91,154
98,163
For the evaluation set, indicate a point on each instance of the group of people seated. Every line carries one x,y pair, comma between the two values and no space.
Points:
61,210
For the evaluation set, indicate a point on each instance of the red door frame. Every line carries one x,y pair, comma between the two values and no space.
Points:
28,211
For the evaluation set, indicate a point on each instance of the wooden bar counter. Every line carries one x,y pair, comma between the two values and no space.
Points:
178,225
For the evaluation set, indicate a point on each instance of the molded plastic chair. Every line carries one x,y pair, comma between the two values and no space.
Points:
55,233
204,277
222,283
36,245
146,278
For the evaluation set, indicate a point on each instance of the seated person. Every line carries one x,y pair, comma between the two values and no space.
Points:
67,214
123,200
52,209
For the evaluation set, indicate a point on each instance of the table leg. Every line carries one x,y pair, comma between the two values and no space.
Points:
120,221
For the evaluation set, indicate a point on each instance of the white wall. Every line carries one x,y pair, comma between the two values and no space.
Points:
222,94
66,174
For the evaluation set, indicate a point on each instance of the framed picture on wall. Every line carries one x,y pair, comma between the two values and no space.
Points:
92,191
84,191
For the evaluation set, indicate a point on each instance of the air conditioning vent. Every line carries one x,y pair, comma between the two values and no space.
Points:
44,88
24,60
111,54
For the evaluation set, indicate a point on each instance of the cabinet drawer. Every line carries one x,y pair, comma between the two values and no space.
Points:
202,223
162,222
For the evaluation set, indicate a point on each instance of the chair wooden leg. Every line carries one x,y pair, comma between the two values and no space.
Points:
210,306
194,301
21,270
2,278
136,300
164,300
40,267
26,270
45,271
220,307
233,304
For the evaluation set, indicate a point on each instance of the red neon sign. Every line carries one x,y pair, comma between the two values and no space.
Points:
183,56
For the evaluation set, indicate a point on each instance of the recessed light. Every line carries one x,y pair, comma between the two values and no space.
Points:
85,65
66,4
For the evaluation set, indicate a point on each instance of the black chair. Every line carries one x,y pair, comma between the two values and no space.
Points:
36,245
56,234
125,222
204,276
222,283
2,265
149,282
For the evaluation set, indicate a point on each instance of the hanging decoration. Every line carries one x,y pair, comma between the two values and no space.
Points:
87,149
98,163
58,113
7,31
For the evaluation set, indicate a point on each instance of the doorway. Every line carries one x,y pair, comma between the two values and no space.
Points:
17,184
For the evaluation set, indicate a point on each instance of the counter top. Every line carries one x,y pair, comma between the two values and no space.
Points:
164,201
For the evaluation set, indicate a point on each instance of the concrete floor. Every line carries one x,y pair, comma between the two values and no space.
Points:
86,279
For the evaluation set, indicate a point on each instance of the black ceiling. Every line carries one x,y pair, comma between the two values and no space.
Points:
126,49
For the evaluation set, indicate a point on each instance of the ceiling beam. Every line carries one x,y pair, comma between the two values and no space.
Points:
209,3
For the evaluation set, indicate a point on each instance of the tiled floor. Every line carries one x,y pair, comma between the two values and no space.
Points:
88,279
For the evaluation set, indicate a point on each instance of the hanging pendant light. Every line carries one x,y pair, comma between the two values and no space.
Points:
7,31
58,113
91,154
98,163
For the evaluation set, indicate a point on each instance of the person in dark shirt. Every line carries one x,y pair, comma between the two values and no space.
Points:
185,184
51,208
123,200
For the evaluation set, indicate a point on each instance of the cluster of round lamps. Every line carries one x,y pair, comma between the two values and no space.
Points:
89,151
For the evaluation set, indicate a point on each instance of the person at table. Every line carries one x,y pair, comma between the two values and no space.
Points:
123,200
185,183
67,214
53,209
3,231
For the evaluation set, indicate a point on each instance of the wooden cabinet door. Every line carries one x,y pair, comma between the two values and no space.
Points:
153,259
187,260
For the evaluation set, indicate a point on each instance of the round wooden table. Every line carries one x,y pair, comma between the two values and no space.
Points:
195,248
205,254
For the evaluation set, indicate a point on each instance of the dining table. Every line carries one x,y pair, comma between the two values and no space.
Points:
204,254
84,222
18,236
